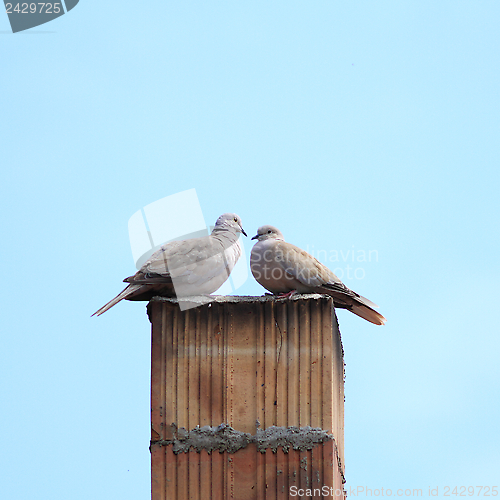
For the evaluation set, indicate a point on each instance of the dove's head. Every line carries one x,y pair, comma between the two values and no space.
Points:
229,221
268,233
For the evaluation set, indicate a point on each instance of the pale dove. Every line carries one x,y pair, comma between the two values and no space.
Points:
283,268
198,266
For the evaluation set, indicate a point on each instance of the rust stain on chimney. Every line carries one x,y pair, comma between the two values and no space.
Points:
247,398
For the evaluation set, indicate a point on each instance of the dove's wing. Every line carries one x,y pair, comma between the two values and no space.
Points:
194,267
302,266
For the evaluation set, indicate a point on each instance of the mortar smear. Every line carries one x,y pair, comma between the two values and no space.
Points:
225,438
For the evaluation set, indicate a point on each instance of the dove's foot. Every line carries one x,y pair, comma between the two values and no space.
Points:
287,295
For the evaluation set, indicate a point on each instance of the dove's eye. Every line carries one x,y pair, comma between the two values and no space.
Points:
269,232
235,219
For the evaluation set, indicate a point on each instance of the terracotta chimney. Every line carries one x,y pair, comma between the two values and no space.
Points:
247,399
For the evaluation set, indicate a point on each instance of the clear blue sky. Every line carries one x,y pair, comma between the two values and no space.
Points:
350,125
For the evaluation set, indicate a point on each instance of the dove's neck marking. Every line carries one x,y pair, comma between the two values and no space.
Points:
230,241
224,235
266,244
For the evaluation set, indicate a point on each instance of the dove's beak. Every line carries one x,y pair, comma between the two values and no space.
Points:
243,231
255,237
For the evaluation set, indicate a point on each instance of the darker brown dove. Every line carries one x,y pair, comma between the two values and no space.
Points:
283,268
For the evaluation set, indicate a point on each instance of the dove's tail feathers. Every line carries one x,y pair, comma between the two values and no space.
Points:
366,312
367,302
130,290
344,298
